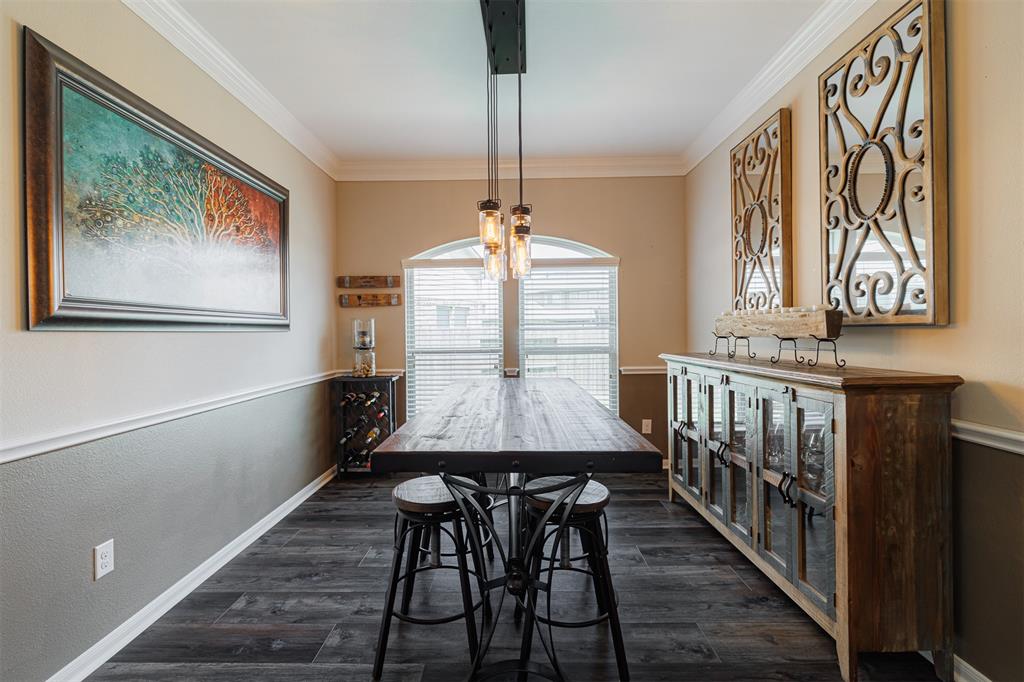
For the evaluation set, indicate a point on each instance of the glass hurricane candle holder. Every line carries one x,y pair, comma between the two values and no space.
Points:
363,334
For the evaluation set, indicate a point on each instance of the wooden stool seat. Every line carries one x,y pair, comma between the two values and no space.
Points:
425,495
594,497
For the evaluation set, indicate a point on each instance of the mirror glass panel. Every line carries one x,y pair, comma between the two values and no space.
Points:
884,197
761,220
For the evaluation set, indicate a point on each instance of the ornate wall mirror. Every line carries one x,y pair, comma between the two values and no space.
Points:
761,217
882,119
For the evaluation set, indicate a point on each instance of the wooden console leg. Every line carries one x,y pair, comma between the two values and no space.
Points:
943,661
847,659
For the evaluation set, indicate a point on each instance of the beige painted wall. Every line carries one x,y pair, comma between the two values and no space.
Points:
986,167
637,219
173,494
56,381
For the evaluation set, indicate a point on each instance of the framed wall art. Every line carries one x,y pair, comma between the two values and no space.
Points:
882,120
135,221
761,185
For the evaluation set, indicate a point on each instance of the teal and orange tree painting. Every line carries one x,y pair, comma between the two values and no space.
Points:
148,221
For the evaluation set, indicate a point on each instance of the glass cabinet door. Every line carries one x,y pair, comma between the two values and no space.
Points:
675,412
812,489
685,460
714,446
738,459
774,465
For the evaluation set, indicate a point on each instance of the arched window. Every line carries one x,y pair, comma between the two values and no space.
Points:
567,318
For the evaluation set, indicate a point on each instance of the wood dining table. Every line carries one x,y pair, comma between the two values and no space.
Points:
516,428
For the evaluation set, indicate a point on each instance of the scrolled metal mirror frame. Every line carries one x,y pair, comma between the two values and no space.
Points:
759,161
863,70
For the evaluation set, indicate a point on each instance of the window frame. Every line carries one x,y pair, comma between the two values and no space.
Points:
590,256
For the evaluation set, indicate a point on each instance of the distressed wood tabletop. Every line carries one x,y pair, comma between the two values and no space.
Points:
516,425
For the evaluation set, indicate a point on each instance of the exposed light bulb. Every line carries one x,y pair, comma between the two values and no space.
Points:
494,264
492,224
521,258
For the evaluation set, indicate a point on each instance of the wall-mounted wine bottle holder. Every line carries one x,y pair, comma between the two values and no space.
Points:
362,417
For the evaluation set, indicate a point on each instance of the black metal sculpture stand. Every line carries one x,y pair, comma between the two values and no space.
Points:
817,352
521,579
736,346
797,358
731,349
718,338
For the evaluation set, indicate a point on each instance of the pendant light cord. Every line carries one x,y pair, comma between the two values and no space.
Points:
490,179
519,86
492,129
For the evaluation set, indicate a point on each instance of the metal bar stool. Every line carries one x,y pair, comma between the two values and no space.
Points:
587,518
424,505
488,504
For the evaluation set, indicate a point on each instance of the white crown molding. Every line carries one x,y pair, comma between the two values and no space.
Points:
1006,440
476,169
100,652
31,447
824,26
169,19
173,22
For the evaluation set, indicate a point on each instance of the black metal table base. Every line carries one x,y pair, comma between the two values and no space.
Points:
520,562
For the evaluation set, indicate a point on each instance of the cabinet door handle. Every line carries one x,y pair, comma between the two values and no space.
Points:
782,481
790,500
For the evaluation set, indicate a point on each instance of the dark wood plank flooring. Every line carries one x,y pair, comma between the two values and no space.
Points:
304,603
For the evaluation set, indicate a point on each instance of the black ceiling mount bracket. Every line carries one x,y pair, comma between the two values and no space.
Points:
500,32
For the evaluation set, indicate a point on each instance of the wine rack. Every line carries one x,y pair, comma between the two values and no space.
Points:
362,416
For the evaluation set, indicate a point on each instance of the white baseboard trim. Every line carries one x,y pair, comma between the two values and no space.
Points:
100,652
962,670
31,447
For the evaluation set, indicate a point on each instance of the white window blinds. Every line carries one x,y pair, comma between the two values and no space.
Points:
453,326
568,327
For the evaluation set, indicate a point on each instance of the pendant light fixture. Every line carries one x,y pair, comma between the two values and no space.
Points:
521,213
492,220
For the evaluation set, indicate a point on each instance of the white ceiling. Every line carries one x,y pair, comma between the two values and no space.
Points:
393,82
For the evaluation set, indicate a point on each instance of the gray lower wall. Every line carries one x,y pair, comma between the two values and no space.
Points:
173,494
988,558
170,495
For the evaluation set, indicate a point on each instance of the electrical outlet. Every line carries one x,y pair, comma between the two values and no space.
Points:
103,559
645,426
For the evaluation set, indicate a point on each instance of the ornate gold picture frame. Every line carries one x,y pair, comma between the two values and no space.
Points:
761,185
882,124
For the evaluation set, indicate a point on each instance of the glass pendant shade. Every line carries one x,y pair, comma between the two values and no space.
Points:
492,224
521,258
521,261
494,264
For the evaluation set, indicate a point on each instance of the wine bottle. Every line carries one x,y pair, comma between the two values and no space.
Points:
373,398
348,434
382,413
372,435
363,419
347,398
